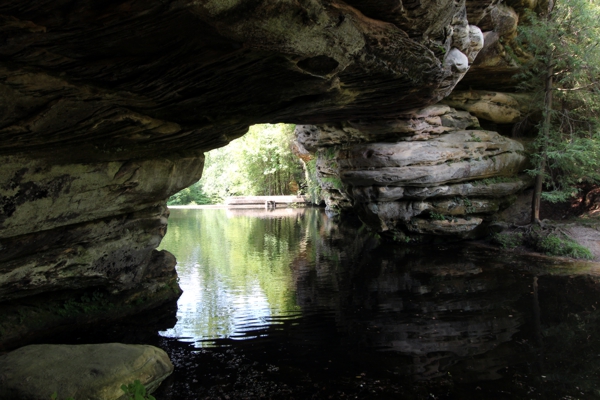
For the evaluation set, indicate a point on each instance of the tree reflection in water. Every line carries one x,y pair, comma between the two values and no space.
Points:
465,317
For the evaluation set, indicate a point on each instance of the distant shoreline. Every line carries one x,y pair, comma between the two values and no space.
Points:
223,206
200,206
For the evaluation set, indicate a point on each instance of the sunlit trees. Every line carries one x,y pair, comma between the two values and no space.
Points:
259,163
562,70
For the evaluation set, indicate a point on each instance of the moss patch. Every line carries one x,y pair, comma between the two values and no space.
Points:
555,245
549,240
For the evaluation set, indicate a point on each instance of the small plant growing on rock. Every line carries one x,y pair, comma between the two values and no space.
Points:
400,238
437,216
469,208
136,391
474,138
545,238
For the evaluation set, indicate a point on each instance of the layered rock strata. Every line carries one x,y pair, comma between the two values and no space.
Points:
498,107
107,108
430,173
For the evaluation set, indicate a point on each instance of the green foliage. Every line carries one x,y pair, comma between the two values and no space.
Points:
136,391
313,188
191,195
571,162
551,241
88,302
437,216
564,44
259,163
556,246
469,207
400,237
474,138
334,182
330,153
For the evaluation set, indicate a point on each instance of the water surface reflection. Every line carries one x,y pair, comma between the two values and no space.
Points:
233,267
320,301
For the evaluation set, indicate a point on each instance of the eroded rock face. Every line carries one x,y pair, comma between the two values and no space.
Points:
432,180
502,108
196,74
412,125
88,225
109,106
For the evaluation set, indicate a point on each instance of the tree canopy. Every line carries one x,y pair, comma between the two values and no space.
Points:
561,68
259,163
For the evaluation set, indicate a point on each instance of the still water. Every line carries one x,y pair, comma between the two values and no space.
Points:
290,304
235,270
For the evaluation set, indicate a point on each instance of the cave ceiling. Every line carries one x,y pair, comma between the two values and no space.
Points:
127,79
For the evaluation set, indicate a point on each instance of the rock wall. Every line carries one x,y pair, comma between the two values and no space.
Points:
434,171
107,108
428,172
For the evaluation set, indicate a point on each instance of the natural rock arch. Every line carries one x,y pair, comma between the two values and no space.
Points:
109,106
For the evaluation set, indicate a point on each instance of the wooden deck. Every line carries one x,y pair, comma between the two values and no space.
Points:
264,201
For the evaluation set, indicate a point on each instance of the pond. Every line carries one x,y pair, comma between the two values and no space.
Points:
290,304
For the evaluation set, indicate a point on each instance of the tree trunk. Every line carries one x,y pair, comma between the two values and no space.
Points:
545,133
279,181
539,179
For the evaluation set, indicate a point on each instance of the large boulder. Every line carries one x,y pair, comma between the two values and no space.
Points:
456,157
83,372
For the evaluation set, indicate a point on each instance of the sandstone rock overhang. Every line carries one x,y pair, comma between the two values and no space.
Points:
108,106
127,79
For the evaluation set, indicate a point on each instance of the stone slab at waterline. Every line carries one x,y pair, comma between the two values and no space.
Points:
83,372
